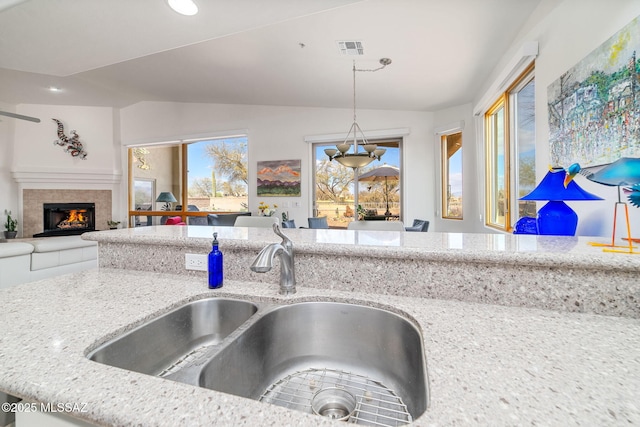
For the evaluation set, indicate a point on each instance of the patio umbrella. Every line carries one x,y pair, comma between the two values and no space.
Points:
384,172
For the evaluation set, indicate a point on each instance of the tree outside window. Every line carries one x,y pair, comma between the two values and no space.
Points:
335,186
204,176
218,174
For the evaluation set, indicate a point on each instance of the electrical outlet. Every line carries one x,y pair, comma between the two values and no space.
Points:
196,262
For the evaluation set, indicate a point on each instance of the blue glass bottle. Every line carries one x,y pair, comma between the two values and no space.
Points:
215,265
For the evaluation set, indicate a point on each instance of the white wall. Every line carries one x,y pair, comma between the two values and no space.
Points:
8,196
279,132
37,163
472,176
34,148
568,33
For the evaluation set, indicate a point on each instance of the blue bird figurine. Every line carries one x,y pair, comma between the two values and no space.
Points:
621,173
634,195
571,172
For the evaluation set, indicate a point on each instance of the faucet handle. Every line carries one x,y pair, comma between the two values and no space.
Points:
286,242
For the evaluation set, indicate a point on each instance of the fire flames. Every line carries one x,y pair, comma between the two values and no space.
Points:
76,218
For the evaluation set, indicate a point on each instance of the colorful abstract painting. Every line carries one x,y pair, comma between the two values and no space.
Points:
279,178
594,108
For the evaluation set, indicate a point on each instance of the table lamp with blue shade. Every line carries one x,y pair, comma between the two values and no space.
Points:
167,198
556,217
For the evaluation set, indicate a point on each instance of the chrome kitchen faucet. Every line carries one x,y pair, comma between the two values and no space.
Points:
264,262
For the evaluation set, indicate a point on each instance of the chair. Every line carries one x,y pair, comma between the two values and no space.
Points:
193,220
175,220
376,225
143,207
318,222
192,208
256,221
197,220
418,225
227,219
290,223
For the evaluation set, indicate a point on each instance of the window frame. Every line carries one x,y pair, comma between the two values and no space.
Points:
491,200
381,141
525,78
444,179
184,213
505,100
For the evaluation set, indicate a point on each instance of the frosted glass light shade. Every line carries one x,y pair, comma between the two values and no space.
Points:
378,152
355,160
343,148
369,148
330,151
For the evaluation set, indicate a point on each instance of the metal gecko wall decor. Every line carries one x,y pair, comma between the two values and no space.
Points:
74,146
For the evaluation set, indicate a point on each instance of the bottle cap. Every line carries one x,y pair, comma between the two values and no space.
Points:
215,238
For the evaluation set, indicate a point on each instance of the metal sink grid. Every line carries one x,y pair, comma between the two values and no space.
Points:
377,405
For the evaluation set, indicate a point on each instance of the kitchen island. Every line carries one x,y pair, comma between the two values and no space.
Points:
553,272
487,364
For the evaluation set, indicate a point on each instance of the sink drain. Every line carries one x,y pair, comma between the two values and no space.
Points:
375,404
333,402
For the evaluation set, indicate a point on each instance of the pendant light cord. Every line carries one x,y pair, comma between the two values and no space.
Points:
384,62
354,91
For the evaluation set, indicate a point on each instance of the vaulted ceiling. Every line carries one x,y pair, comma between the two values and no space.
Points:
260,52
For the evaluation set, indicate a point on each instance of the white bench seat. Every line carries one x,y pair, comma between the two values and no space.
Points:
35,259
15,263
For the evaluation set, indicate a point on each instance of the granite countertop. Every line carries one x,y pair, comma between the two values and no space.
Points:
550,272
551,251
487,364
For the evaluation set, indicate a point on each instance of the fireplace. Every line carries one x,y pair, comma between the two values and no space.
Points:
67,219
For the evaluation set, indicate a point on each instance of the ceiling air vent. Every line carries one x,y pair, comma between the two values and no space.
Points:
351,48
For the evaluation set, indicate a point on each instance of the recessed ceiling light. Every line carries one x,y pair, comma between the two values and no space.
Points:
183,7
54,89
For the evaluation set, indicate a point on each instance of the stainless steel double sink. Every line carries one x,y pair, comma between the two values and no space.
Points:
285,354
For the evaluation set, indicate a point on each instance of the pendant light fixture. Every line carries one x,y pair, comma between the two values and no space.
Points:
363,152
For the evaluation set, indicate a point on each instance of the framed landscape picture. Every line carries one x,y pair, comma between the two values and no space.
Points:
279,178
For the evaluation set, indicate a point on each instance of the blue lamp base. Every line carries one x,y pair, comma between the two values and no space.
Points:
558,219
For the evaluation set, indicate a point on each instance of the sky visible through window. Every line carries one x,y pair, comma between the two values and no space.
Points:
200,163
455,174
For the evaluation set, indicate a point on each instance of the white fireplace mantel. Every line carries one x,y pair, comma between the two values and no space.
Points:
76,179
68,180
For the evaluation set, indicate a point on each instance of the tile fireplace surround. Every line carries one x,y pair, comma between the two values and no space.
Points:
33,201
